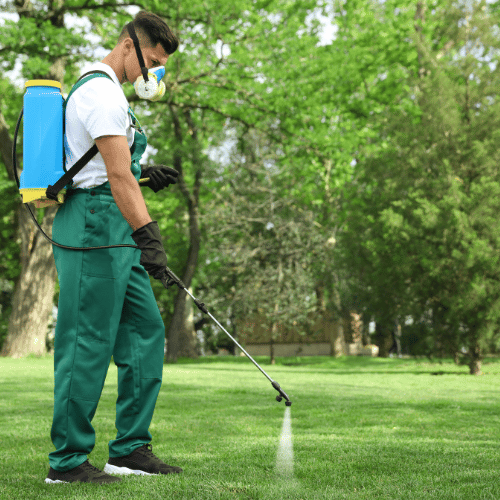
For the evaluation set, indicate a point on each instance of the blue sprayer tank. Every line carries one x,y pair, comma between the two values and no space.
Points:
42,141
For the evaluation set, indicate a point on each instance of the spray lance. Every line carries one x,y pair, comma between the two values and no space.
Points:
170,279
41,168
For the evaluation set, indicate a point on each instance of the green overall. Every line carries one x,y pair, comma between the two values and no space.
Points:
106,308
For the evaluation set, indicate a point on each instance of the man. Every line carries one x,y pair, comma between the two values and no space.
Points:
106,304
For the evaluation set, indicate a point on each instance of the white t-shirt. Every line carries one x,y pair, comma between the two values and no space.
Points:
99,107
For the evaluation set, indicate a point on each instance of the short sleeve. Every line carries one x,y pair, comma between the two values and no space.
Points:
101,109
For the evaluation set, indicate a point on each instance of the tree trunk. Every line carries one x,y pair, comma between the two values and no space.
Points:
475,358
178,326
475,366
274,330
234,350
274,326
337,339
34,292
383,334
187,341
347,326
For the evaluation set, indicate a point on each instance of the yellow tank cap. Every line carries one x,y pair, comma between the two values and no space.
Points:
42,83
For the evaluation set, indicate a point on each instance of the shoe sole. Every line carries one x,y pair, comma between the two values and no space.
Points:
55,481
125,471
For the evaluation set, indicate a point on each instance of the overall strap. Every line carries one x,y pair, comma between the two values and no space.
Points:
52,191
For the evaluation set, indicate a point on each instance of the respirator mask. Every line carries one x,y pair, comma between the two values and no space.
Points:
148,85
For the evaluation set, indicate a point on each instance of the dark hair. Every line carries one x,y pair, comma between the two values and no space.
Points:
152,30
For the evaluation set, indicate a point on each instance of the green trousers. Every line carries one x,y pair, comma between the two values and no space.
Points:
106,308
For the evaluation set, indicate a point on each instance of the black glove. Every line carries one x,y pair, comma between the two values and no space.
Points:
160,176
153,256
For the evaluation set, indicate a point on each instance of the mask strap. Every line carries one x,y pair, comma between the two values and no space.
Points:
144,70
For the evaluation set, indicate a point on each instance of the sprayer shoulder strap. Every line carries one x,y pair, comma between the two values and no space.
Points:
52,191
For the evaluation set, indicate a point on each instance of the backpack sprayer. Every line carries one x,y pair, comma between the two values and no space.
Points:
43,164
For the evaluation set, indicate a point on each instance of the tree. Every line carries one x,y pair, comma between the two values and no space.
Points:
428,200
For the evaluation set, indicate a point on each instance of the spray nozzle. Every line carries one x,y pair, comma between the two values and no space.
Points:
282,394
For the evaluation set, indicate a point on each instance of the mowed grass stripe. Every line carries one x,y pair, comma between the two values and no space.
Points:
362,429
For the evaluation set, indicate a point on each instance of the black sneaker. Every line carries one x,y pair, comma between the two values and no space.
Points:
85,473
142,461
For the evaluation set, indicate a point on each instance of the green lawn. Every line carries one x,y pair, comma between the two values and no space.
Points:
362,429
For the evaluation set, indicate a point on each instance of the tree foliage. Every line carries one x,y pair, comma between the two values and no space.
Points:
423,225
363,170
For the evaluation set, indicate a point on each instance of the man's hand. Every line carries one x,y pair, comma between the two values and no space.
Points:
160,176
153,256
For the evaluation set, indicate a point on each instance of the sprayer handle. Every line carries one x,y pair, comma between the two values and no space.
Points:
169,279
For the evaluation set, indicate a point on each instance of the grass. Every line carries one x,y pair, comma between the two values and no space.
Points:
362,429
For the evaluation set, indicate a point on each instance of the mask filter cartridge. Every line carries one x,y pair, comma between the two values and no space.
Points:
154,88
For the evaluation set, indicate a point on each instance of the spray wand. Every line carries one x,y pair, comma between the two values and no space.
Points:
170,279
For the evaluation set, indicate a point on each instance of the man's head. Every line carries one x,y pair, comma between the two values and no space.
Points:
156,42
